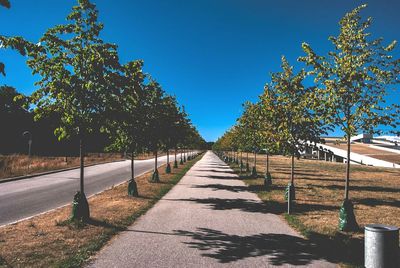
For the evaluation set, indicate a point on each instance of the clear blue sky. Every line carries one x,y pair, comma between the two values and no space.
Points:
212,54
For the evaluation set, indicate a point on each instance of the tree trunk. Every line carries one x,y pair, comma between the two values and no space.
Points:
267,163
346,195
82,163
155,160
132,166
167,156
292,170
247,158
255,159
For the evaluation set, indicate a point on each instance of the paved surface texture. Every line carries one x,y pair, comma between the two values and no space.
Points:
28,197
209,219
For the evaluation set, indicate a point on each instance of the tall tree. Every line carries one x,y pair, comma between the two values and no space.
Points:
125,120
154,105
74,66
295,123
250,121
353,80
269,135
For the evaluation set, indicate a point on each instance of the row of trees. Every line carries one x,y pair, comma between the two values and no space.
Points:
82,81
349,90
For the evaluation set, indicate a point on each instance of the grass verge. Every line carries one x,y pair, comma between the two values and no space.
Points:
19,165
51,240
319,194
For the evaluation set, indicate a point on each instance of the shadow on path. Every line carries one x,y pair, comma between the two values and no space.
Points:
226,248
231,188
247,205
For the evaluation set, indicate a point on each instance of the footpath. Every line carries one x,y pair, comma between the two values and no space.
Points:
209,219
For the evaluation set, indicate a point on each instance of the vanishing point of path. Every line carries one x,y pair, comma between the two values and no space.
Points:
209,219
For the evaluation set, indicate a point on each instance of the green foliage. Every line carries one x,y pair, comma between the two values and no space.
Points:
353,79
76,71
286,104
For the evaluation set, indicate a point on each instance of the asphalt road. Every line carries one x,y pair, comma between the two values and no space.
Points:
209,219
28,197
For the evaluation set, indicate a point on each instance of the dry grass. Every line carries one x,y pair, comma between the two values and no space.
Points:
52,240
17,165
319,185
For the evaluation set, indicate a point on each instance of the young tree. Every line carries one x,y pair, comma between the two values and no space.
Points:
295,123
353,81
125,120
74,65
153,110
250,121
269,135
171,116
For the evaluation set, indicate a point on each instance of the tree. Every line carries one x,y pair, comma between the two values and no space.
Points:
125,121
154,105
269,135
295,123
74,66
250,121
170,127
353,81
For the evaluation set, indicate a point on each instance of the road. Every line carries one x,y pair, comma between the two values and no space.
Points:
210,219
28,197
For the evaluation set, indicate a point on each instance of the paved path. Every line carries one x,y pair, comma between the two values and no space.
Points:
209,220
29,197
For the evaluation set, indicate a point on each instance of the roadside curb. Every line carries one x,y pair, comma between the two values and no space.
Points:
54,171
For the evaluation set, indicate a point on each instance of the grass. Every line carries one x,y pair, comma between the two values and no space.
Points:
319,194
17,165
52,240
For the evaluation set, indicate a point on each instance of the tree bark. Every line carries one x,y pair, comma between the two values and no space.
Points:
132,166
255,159
346,194
82,162
167,156
267,163
292,170
155,160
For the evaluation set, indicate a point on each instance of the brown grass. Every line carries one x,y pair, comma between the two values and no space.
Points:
51,240
319,185
17,165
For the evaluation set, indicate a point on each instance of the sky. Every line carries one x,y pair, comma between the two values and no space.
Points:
212,54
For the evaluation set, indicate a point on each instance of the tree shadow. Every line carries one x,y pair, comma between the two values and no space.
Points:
228,170
219,177
254,206
377,202
310,174
280,248
231,188
104,223
360,188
